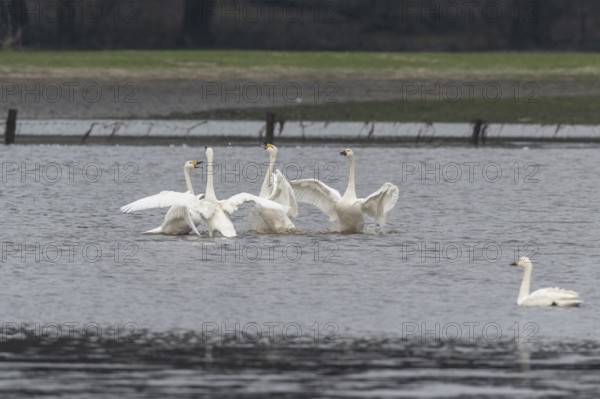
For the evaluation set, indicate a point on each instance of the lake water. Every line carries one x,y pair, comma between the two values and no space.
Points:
424,307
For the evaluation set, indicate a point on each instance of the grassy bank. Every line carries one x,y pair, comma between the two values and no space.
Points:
540,66
568,82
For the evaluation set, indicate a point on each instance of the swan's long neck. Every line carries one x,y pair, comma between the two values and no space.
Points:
210,185
188,180
351,189
524,291
264,190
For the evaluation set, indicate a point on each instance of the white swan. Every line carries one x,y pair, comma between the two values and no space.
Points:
276,188
175,222
347,210
544,296
214,213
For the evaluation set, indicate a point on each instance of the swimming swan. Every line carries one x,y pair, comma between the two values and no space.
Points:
544,296
347,210
214,213
276,188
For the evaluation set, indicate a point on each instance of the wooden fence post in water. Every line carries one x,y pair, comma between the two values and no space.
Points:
479,132
11,127
270,127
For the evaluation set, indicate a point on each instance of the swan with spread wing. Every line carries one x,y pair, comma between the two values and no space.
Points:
175,222
213,212
347,210
275,188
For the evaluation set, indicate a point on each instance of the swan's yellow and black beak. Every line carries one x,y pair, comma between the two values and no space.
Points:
344,153
197,164
266,145
515,263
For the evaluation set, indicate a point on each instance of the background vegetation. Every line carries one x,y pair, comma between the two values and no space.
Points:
434,25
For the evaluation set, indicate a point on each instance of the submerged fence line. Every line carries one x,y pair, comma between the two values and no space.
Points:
479,132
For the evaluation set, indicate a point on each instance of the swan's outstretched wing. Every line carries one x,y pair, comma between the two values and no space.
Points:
232,204
177,213
317,193
553,297
174,214
190,221
283,194
171,198
162,200
380,202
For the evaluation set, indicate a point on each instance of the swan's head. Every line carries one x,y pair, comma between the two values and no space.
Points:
209,152
190,165
523,261
271,149
347,153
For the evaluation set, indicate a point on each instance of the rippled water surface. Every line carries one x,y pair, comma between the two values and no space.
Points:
423,307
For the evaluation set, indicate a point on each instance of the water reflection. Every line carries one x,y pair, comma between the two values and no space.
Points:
184,364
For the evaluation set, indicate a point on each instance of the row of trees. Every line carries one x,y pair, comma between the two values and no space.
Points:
302,24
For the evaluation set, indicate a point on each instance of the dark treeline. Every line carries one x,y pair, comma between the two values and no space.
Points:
302,24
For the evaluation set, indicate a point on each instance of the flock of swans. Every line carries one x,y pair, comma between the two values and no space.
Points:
276,205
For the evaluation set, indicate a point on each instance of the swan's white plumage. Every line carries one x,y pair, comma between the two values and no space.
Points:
552,297
220,221
176,221
380,202
232,204
347,210
193,210
185,207
275,188
318,194
282,193
545,296
179,201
